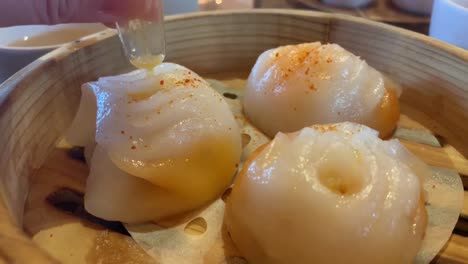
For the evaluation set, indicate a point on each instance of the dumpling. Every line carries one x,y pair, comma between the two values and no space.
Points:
329,194
166,143
110,191
292,87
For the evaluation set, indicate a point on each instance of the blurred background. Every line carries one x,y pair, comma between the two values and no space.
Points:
21,45
378,10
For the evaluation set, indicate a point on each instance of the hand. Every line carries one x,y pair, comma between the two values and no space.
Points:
27,12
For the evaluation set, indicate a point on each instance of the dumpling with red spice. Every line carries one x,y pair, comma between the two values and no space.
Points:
292,87
329,194
165,143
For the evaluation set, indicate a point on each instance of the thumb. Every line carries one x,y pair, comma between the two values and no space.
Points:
24,12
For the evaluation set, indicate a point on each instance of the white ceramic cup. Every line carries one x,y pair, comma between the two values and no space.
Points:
172,7
15,57
449,22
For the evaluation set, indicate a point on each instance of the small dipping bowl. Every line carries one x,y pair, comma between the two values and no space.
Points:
21,45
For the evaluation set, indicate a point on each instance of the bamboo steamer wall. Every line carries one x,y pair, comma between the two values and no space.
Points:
38,103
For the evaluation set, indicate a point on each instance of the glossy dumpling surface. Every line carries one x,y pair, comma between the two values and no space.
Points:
168,131
329,194
295,86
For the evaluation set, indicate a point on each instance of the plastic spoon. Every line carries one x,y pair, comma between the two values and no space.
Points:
144,41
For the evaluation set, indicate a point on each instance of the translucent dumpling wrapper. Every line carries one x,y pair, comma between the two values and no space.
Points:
292,87
444,200
329,194
168,135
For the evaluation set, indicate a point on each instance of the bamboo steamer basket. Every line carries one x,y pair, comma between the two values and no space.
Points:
38,103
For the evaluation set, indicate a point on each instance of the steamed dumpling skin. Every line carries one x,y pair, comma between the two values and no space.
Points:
110,190
295,86
172,126
329,194
169,130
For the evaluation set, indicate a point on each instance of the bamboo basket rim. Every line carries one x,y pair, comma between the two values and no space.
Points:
8,87
331,17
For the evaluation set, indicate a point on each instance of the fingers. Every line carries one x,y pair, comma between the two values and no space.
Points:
144,9
21,12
